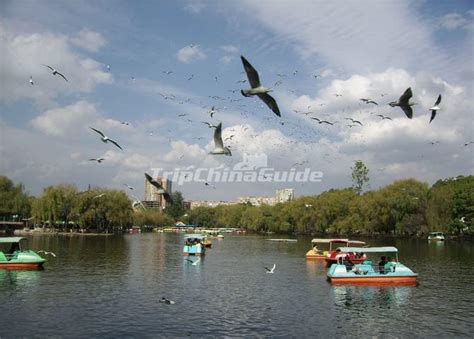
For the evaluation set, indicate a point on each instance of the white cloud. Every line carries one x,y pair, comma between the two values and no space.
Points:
64,120
226,59
190,53
89,40
452,21
26,54
230,49
195,6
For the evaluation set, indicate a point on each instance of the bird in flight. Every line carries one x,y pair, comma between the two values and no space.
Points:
99,196
106,139
272,270
326,122
160,188
99,160
209,124
435,108
257,89
354,121
384,117
129,187
55,72
404,103
31,80
368,101
212,111
219,144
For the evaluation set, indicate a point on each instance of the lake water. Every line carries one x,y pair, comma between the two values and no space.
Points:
110,286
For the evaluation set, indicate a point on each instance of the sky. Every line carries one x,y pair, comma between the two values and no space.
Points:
147,73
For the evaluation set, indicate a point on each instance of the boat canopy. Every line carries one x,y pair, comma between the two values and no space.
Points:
9,240
194,236
327,241
369,249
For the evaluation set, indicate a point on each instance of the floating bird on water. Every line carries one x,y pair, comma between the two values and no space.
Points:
194,263
257,89
55,72
435,108
46,253
368,101
166,301
31,80
404,103
219,144
160,188
106,139
99,160
272,270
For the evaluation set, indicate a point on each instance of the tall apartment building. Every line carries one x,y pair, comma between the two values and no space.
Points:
284,195
153,198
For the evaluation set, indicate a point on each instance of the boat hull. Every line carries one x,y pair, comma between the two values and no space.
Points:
312,255
21,266
403,281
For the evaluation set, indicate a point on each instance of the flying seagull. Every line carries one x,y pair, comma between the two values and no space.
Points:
404,103
99,160
435,108
160,188
368,101
31,80
99,196
55,72
384,117
166,301
272,270
219,144
212,111
209,124
257,89
46,253
106,139
129,187
354,121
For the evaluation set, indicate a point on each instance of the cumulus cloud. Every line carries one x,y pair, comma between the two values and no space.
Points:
89,40
194,6
453,21
190,53
25,55
64,120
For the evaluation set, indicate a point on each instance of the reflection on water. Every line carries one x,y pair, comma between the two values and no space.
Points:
367,295
111,286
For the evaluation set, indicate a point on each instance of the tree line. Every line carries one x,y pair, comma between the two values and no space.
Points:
405,207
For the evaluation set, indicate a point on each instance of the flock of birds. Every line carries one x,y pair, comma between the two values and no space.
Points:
223,146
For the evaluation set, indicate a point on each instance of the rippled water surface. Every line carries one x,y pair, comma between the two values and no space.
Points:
110,286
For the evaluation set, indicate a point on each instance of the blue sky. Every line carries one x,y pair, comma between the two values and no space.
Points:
357,48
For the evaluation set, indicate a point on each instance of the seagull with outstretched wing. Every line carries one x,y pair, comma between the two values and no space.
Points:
55,72
257,89
271,270
160,188
404,103
219,144
435,108
105,139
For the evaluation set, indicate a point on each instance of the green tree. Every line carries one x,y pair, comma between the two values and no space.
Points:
360,176
176,208
13,200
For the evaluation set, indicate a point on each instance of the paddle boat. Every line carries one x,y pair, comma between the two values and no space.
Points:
317,253
387,272
438,236
14,255
193,245
342,251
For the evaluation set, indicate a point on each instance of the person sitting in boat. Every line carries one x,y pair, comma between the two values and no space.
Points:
346,262
390,265
382,262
